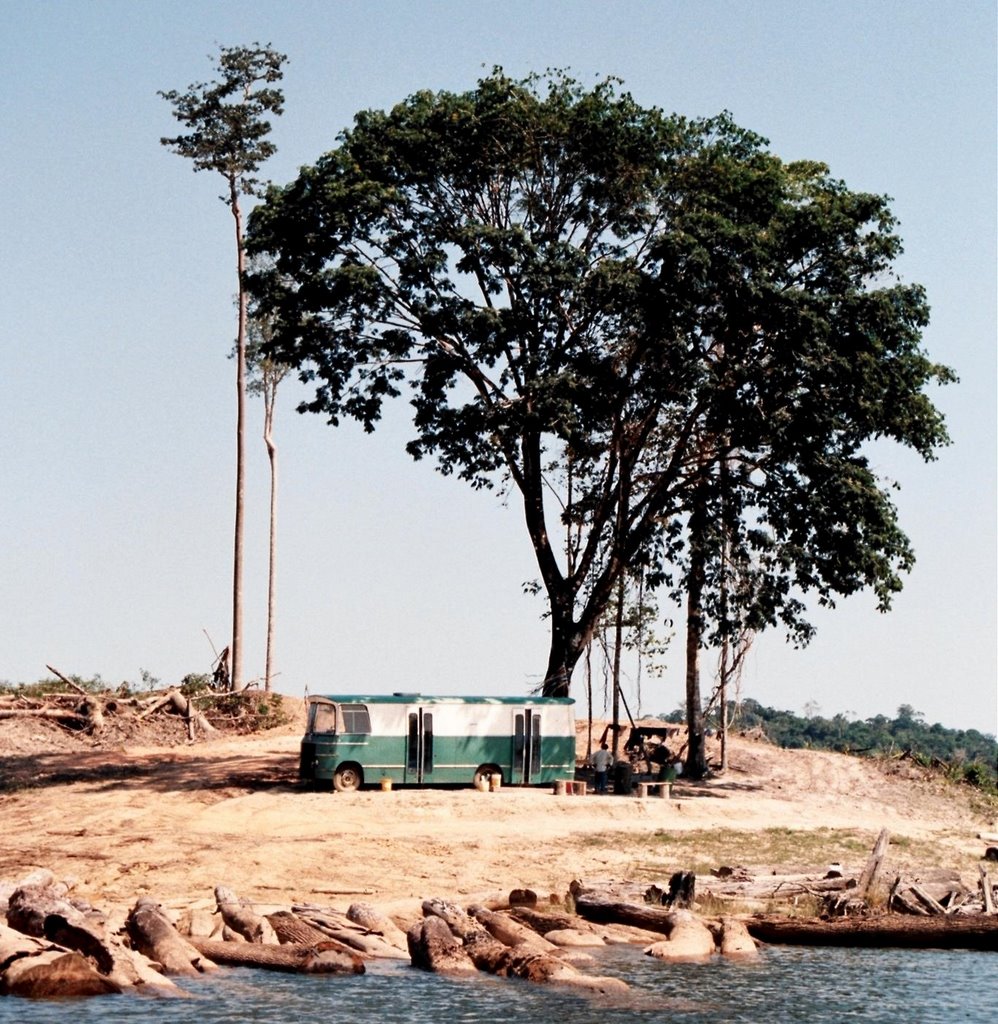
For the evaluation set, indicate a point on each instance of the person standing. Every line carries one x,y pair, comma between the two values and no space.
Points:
602,760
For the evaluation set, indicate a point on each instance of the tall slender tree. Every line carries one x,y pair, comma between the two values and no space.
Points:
264,376
227,127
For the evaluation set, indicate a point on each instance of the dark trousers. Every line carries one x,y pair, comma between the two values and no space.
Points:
600,780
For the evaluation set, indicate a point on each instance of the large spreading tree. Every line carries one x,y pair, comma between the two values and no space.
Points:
623,316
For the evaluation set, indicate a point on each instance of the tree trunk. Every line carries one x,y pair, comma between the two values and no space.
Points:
888,931
873,865
291,929
152,934
236,682
433,947
243,920
54,974
348,934
270,396
618,642
696,756
600,911
511,932
373,921
321,958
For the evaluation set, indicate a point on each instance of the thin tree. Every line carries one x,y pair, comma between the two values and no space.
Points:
264,376
227,133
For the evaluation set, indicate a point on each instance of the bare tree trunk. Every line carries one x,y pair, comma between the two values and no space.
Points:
696,760
723,709
617,644
269,398
236,681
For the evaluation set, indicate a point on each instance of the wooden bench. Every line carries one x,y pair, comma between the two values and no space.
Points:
664,789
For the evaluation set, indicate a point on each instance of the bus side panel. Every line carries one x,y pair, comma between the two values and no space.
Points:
467,736
557,743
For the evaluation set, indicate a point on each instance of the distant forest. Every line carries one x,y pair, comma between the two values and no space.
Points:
965,755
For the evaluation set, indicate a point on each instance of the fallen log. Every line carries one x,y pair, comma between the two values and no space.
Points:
978,932
153,934
508,930
931,904
736,941
434,947
453,916
336,927
54,974
57,714
241,918
317,958
374,922
600,911
192,716
290,928
490,955
772,886
41,911
542,921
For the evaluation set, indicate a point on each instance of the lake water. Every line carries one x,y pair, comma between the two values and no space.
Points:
788,984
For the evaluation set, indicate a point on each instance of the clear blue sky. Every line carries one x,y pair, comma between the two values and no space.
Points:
117,396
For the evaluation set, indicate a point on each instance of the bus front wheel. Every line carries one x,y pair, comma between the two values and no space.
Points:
483,776
347,778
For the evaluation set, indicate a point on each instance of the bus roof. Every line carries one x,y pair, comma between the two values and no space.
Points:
422,698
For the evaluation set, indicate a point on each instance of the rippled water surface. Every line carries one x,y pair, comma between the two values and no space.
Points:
787,984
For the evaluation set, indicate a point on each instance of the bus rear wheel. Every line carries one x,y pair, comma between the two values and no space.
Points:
483,775
347,778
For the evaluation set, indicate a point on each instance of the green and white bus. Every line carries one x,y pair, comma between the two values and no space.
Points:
414,740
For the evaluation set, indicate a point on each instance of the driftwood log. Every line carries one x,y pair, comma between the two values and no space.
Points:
450,941
602,911
511,932
241,918
44,911
434,947
54,974
335,925
153,934
316,958
368,917
543,920
290,928
977,931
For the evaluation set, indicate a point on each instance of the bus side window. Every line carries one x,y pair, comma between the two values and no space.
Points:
323,718
355,718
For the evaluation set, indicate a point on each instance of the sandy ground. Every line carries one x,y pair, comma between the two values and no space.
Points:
174,822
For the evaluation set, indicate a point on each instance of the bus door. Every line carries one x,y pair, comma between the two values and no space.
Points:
419,747
526,746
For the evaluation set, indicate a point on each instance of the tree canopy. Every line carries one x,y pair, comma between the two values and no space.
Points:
636,321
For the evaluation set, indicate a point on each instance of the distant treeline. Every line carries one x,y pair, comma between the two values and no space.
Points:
964,754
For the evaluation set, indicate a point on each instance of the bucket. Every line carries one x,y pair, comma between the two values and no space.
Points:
386,785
